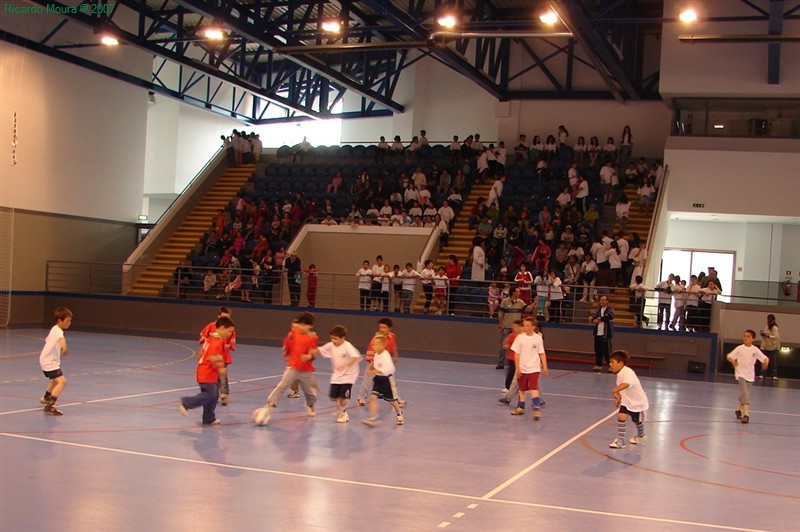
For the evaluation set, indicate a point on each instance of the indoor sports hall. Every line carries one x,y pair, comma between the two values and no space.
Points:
123,458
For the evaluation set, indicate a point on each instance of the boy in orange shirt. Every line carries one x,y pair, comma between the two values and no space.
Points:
300,348
229,345
210,365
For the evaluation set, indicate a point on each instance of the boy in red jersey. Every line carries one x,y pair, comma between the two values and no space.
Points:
300,348
210,364
228,346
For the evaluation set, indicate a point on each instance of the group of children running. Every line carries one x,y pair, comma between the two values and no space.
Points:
527,360
300,348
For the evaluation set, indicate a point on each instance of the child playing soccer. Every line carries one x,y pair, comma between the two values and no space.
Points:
344,358
381,369
743,358
300,347
228,345
55,346
630,398
384,329
210,365
530,360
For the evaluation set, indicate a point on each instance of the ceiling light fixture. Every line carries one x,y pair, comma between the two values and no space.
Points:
548,18
446,20
688,16
331,26
719,126
213,34
109,40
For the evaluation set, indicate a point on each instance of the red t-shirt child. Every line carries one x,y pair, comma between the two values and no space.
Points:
229,343
508,343
297,344
390,347
210,360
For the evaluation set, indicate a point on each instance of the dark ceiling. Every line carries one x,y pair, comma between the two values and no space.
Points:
276,62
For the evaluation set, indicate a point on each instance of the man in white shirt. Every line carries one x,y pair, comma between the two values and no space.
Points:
447,213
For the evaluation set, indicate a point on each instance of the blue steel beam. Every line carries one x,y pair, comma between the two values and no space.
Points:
774,49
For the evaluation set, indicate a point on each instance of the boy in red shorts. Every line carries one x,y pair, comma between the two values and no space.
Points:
228,346
210,364
530,360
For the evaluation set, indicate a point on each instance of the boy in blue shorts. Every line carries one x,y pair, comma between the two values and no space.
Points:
344,359
210,364
530,360
382,368
55,346
630,398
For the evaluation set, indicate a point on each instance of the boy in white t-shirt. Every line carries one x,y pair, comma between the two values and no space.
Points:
382,368
743,358
630,398
344,359
530,360
55,346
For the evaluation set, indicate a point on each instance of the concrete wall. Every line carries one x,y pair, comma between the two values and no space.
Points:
80,138
441,337
39,237
718,70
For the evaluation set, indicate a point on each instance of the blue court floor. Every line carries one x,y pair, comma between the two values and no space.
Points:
123,459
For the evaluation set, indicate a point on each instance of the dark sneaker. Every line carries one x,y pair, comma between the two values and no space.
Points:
745,419
738,414
51,410
44,401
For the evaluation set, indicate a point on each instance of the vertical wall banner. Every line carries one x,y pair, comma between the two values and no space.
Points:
14,140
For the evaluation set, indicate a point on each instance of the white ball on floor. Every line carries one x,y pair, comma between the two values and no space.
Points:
261,416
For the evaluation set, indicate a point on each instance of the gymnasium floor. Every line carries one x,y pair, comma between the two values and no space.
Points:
123,459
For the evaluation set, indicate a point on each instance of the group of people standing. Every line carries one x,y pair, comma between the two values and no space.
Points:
242,147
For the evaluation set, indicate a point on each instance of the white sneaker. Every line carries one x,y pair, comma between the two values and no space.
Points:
182,409
637,439
293,395
400,419
371,421
504,391
617,444
310,411
343,418
361,402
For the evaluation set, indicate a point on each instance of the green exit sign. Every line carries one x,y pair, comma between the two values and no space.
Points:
699,205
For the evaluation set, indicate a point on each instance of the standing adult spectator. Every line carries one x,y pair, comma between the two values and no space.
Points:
301,150
603,321
294,275
625,145
496,192
665,289
258,147
509,311
227,145
770,345
478,270
582,194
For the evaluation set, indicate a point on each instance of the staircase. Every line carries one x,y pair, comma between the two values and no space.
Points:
160,270
460,241
638,222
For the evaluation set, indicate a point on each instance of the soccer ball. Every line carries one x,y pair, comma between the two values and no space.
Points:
261,415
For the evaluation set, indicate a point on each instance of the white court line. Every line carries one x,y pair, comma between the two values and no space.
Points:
375,485
547,457
131,396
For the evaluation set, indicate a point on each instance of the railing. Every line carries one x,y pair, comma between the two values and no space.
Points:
340,291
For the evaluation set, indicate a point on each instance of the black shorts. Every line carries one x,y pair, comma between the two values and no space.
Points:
53,374
340,391
635,416
382,388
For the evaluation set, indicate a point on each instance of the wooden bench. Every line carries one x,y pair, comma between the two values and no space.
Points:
587,357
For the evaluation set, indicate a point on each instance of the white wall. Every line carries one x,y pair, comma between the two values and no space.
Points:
649,122
737,176
763,251
724,69
81,137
